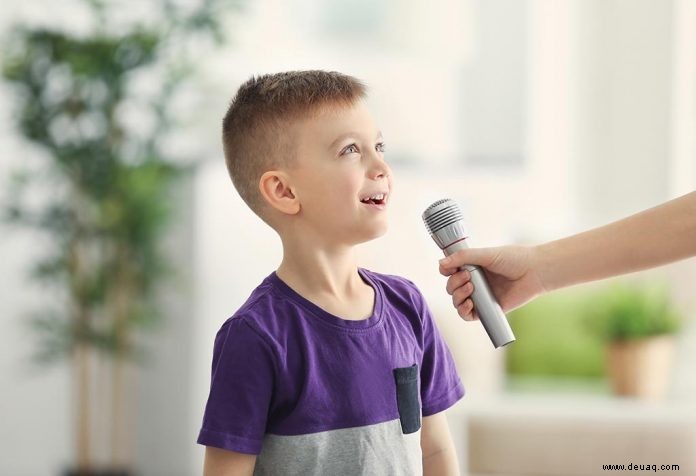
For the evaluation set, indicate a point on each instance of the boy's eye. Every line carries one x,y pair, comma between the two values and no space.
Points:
351,149
380,147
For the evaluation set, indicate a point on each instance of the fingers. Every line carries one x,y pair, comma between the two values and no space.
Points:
466,311
448,270
457,280
478,256
460,288
463,303
462,294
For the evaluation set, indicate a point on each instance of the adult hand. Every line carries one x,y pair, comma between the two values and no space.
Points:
513,273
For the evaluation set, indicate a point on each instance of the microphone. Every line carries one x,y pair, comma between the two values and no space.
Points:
444,222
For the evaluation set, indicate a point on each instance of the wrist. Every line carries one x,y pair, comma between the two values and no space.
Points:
543,265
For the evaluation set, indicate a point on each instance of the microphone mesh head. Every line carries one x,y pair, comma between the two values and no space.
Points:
441,214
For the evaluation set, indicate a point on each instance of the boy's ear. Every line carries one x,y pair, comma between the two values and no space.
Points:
275,188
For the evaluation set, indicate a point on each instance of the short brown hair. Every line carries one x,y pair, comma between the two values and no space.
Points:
253,134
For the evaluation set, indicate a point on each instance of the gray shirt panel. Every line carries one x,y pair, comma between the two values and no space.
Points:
379,449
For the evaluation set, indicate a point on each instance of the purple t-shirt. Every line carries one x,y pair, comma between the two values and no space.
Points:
312,393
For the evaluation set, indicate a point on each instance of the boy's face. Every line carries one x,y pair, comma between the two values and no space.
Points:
340,166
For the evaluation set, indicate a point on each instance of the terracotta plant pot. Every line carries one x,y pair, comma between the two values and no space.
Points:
641,368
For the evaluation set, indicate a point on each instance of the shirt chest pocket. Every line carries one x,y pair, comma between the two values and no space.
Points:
407,398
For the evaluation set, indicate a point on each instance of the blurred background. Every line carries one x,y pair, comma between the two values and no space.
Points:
124,245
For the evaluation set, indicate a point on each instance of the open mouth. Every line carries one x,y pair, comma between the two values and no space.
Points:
379,199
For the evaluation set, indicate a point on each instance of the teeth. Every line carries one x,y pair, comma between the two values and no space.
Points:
379,196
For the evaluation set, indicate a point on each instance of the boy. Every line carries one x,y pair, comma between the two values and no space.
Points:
327,368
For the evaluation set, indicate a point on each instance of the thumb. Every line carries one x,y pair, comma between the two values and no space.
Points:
479,256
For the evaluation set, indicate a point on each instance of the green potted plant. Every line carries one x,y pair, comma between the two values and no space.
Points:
106,189
638,324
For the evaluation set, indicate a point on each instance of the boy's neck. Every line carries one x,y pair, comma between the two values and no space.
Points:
322,274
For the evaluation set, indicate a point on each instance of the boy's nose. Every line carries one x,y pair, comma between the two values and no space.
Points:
378,168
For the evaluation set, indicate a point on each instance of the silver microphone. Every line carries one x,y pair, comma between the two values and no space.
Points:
444,222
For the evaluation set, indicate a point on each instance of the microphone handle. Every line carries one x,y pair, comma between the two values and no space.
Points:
490,313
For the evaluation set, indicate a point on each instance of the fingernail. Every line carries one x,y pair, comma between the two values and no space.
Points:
445,260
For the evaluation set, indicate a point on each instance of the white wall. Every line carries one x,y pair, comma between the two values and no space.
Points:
624,90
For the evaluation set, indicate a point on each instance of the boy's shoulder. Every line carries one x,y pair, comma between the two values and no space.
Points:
263,304
396,287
